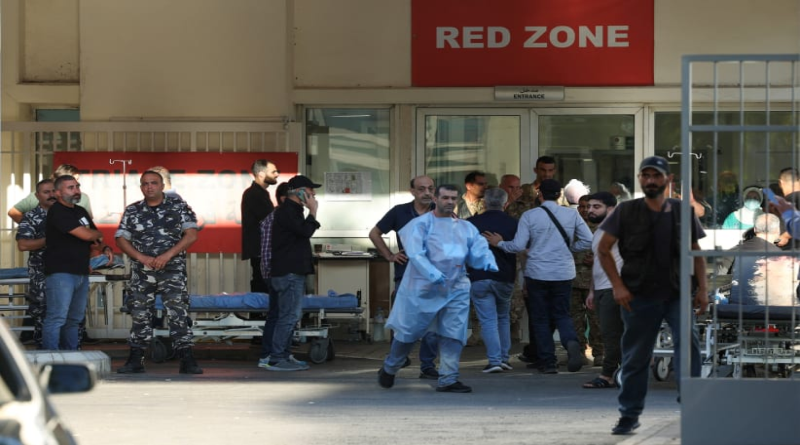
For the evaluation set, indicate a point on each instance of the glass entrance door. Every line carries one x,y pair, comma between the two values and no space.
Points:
599,146
458,141
596,146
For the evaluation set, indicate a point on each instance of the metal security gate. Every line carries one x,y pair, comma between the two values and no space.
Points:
749,391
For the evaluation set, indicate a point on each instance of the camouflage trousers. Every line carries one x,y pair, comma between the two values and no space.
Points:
170,285
37,302
582,318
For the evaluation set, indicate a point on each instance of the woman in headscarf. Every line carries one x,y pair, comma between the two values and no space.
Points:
745,216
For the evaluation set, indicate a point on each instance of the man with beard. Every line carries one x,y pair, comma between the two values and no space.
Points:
434,292
70,232
256,205
31,238
648,285
395,219
471,202
601,297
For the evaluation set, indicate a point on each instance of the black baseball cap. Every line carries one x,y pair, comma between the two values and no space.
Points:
655,162
301,181
550,186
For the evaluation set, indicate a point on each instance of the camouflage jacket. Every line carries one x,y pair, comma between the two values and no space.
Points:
583,272
32,227
154,230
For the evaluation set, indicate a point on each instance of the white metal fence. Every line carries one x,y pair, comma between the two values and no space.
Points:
26,156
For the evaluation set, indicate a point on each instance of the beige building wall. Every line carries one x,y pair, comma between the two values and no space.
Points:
254,59
187,59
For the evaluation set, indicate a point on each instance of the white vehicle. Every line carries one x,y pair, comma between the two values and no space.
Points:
26,415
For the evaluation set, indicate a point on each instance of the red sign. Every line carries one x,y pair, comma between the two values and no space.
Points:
211,183
472,43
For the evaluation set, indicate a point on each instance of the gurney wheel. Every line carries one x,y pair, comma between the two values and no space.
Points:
661,368
159,351
318,350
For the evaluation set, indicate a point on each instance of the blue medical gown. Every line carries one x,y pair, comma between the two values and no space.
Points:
434,292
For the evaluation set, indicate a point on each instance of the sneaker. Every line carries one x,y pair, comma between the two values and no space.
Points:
428,373
506,366
263,362
286,365
576,356
625,425
385,379
297,362
492,369
455,387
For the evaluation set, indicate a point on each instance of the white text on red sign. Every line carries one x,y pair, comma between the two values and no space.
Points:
611,36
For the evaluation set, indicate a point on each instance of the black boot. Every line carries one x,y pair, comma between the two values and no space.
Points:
188,364
135,363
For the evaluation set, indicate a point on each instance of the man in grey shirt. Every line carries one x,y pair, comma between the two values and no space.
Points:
554,232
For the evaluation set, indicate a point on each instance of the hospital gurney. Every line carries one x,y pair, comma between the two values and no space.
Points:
215,317
17,302
750,340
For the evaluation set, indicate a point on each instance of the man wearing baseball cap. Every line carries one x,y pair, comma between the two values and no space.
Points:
291,247
647,287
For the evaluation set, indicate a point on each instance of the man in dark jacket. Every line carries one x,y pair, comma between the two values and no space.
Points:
491,291
256,205
291,245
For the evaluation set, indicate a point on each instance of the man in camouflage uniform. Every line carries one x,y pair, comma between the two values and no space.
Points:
31,238
581,316
155,233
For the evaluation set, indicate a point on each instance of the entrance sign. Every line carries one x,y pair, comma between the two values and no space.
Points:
478,43
527,94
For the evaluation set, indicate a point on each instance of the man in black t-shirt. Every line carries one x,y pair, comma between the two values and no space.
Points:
70,233
648,286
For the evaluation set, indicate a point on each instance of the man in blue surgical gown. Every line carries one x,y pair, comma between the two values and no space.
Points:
434,292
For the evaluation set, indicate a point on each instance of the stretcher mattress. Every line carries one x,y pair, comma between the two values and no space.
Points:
16,272
259,302
756,312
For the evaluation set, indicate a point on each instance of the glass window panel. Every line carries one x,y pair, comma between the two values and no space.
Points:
457,145
596,149
742,158
340,140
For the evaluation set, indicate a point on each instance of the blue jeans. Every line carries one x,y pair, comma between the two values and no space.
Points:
289,290
548,301
642,325
492,301
66,305
428,344
270,322
449,356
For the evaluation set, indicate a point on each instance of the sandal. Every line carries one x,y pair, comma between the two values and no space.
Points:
599,383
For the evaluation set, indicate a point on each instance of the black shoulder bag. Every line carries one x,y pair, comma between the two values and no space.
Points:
558,225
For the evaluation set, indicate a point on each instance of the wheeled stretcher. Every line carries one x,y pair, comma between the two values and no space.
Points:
218,317
751,340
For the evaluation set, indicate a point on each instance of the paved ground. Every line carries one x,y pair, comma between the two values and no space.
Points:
339,402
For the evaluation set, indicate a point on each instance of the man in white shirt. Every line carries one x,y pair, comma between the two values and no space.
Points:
601,295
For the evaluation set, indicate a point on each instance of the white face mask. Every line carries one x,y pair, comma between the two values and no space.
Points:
752,204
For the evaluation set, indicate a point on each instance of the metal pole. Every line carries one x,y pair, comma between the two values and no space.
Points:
125,163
